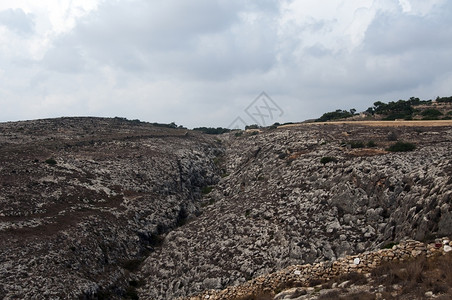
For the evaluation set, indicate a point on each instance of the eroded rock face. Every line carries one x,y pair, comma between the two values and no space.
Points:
83,200
280,206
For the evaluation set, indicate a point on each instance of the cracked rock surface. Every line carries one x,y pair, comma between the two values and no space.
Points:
278,205
83,200
96,208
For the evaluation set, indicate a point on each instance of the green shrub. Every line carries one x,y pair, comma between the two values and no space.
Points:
327,159
210,202
389,245
211,130
103,295
132,264
356,144
398,116
282,155
51,161
207,189
238,133
401,147
131,293
335,115
431,112
252,126
170,125
371,144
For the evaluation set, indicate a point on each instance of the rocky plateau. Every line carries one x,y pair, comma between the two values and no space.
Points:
96,208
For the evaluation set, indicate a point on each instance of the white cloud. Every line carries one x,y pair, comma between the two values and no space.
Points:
406,6
202,62
45,19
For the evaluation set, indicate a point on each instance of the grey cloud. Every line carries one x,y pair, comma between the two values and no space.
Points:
200,63
64,57
17,20
401,54
397,34
407,51
199,39
164,25
317,51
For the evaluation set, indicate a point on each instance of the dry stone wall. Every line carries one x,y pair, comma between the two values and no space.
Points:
303,275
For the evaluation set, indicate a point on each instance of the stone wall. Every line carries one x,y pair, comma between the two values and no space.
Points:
304,275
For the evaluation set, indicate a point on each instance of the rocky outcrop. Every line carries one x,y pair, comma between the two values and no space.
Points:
109,208
84,200
278,205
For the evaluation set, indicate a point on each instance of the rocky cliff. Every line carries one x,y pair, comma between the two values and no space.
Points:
84,200
279,205
110,208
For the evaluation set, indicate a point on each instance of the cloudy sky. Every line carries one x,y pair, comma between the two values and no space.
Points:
205,62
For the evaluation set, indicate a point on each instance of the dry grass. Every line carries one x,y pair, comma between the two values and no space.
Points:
420,123
410,279
257,296
335,295
417,276
401,280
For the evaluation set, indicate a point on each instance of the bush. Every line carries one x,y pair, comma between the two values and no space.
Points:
51,161
444,99
431,112
430,118
371,144
357,144
170,125
395,109
389,245
416,276
206,190
401,147
131,293
132,264
252,126
327,159
211,130
335,115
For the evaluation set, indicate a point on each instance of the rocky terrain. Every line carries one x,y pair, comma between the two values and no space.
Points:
409,270
278,205
83,200
108,208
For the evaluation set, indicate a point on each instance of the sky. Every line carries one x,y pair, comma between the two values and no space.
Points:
219,63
